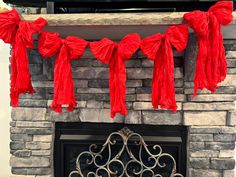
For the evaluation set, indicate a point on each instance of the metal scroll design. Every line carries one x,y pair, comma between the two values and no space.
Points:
124,160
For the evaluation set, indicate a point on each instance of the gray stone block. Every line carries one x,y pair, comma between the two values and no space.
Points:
94,104
32,103
205,173
231,70
220,145
35,69
40,93
212,97
65,116
224,164
201,137
29,162
21,137
38,131
22,153
231,63
98,83
205,129
196,145
190,57
190,90
133,117
31,172
133,83
199,163
162,118
148,83
90,73
224,137
17,145
133,63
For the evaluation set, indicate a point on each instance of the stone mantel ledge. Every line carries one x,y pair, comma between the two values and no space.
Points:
161,18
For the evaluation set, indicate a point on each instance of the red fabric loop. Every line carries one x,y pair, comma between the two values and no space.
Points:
211,67
65,50
115,56
20,35
158,48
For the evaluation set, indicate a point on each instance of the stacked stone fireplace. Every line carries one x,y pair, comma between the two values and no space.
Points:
210,118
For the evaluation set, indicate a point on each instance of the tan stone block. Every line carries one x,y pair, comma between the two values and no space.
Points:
42,138
28,114
231,54
230,80
229,173
212,97
148,106
209,106
205,118
22,175
227,153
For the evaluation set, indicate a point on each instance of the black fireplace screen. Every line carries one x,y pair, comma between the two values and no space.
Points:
116,150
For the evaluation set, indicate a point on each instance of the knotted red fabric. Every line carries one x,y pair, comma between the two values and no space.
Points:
158,48
65,50
115,55
211,67
19,34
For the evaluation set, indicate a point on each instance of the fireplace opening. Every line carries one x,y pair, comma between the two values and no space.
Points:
119,149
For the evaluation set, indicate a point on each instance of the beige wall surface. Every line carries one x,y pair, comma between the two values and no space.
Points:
4,107
4,110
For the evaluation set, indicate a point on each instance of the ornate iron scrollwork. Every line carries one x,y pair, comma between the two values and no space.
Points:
131,157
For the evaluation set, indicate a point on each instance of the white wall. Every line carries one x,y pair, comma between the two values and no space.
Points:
4,110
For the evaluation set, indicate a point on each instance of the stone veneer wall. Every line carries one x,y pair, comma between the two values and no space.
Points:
211,118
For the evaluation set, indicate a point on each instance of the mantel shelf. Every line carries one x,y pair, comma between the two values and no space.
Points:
112,19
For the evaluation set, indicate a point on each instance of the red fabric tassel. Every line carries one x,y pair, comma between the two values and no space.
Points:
20,35
211,67
115,56
158,48
65,50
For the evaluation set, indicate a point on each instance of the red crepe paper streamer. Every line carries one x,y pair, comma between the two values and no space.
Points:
211,67
19,34
115,54
158,48
67,49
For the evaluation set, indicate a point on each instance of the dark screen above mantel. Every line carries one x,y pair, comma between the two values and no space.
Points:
85,6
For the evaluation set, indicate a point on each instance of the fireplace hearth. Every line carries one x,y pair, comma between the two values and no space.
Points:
119,150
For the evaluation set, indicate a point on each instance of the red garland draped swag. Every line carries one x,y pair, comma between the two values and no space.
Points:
211,63
158,48
211,67
65,50
115,55
19,34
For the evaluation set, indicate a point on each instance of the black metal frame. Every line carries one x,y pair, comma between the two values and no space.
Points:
66,133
